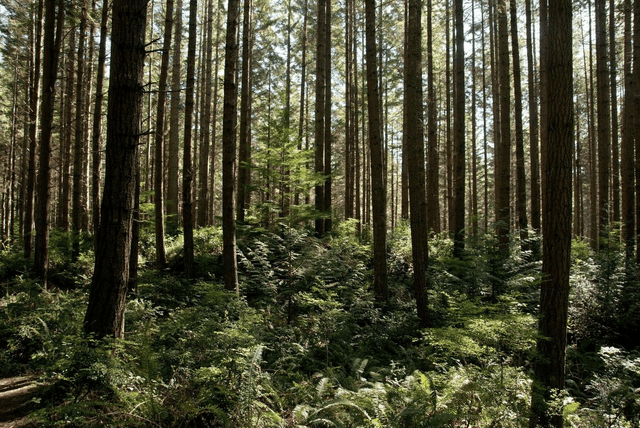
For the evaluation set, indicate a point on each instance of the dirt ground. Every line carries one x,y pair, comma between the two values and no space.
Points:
15,401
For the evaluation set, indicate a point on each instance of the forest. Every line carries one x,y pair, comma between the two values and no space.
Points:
319,213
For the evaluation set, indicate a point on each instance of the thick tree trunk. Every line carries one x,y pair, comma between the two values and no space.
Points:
533,126
320,113
205,134
549,368
97,121
604,121
327,123
244,144
34,93
229,121
375,143
105,313
173,199
521,186
158,179
79,146
628,133
433,164
459,135
503,146
415,155
187,167
51,45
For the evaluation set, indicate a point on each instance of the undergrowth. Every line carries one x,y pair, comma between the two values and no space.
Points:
305,344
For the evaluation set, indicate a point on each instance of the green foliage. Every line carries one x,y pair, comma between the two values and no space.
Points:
306,344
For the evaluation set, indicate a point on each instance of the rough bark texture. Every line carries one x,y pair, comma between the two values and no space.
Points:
174,124
554,294
459,134
105,313
244,145
229,121
627,144
433,165
51,44
97,121
503,146
158,179
375,143
79,142
604,121
320,111
521,186
533,126
205,134
415,155
34,93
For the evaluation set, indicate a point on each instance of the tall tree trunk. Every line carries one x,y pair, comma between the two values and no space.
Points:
229,147
433,164
187,167
474,130
415,155
320,112
503,146
628,133
97,121
205,126
636,125
34,92
615,149
549,369
174,125
105,312
303,81
459,134
604,120
533,125
69,123
78,152
327,123
244,143
158,179
51,45
375,143
521,186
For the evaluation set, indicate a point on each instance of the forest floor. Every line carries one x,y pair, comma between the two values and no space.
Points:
15,401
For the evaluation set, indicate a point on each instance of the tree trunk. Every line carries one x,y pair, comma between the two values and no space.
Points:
105,313
375,143
327,123
604,121
459,135
174,125
533,126
78,152
187,168
97,121
244,144
503,146
51,45
320,113
229,121
521,186
415,155
34,92
549,369
158,179
433,164
628,133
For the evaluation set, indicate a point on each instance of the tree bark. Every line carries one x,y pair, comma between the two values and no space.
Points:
105,313
549,369
51,45
604,122
375,144
229,121
34,92
415,155
503,146
173,199
158,179
320,112
244,144
533,126
459,135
